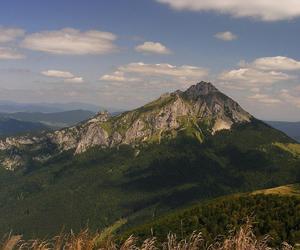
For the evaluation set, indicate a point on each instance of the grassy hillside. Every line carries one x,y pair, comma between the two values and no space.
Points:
101,186
287,190
275,212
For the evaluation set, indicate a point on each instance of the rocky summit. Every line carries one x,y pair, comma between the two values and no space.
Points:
199,111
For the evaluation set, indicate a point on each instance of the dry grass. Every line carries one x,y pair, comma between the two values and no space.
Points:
243,239
293,148
293,190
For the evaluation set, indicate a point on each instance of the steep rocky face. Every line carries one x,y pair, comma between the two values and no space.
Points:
209,102
200,110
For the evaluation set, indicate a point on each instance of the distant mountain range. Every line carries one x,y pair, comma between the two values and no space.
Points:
12,124
54,120
292,129
12,107
9,127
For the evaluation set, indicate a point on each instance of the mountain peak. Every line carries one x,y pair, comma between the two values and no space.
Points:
200,111
200,89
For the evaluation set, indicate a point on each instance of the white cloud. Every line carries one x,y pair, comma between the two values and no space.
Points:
185,71
141,82
67,76
261,72
70,41
74,80
113,78
226,36
57,73
266,99
10,54
250,76
266,10
153,47
276,63
118,76
297,88
10,34
290,98
255,90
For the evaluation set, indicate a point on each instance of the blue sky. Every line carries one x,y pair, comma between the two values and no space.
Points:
124,53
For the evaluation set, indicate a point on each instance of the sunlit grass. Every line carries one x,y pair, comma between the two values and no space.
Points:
293,148
293,189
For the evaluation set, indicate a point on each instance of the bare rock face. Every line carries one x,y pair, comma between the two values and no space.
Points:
210,103
13,162
195,92
92,136
116,139
136,131
168,115
65,139
100,117
221,125
178,111
11,142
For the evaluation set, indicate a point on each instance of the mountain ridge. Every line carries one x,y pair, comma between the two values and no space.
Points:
200,110
7,106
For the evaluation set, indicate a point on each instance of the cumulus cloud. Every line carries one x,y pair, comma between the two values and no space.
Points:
10,34
276,63
153,47
141,82
10,54
251,76
255,90
290,98
266,99
185,71
297,88
65,75
226,36
118,76
57,73
74,80
259,76
263,71
265,10
70,41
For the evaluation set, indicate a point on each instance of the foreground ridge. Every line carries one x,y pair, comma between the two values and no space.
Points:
200,111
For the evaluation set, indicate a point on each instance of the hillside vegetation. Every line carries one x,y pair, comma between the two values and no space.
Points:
100,186
275,212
